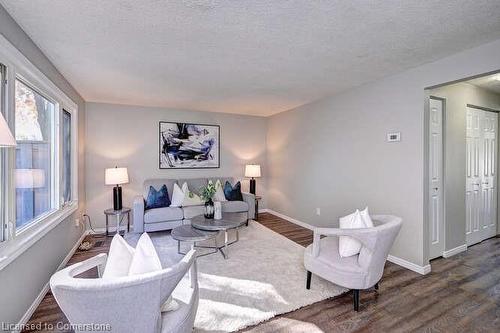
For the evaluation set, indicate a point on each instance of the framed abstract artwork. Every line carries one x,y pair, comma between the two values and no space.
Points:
189,146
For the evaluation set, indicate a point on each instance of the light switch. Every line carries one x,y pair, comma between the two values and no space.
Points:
394,137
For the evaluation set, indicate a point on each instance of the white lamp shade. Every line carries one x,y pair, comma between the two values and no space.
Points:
252,170
30,178
116,176
6,138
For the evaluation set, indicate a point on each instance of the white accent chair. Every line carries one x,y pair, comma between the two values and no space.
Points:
131,303
361,271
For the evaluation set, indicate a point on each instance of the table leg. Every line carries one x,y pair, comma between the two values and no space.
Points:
226,256
118,224
256,210
179,247
106,225
128,222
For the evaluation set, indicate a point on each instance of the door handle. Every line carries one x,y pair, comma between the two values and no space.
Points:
435,188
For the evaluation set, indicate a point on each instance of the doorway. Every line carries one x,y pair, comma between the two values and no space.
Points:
462,164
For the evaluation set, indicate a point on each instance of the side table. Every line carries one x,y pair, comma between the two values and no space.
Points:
119,215
257,199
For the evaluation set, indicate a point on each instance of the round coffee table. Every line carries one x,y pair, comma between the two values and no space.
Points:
186,233
229,221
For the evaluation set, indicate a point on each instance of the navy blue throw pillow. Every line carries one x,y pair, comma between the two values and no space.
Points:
233,193
157,199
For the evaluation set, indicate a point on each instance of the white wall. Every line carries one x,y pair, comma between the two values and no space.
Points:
23,279
332,153
128,136
457,97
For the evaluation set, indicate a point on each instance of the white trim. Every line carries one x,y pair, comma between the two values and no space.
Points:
409,265
27,315
17,241
10,56
291,219
11,249
263,210
456,250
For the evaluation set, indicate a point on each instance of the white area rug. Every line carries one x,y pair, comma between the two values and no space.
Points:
263,277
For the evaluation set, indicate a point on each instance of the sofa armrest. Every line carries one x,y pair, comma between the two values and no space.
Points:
249,198
138,214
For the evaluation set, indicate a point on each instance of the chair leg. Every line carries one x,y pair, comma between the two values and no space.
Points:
376,286
355,294
308,283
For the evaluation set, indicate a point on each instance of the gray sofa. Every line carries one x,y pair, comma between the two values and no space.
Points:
166,218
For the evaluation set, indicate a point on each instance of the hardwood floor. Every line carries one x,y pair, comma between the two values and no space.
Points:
462,294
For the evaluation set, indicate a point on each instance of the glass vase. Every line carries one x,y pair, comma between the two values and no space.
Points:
209,209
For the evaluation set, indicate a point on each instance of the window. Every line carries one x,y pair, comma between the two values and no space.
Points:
67,158
38,177
35,134
3,185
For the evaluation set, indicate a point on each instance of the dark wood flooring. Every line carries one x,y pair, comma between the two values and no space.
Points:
461,294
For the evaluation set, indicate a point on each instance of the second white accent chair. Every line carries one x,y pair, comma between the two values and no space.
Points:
357,272
132,303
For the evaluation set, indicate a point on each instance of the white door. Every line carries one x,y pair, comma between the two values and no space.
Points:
436,208
481,178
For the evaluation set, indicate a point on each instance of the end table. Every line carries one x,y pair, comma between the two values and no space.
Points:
119,214
257,199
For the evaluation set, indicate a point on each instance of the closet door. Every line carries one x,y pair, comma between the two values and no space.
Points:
489,178
473,155
481,179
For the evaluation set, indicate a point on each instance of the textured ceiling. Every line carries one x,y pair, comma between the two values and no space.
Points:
253,57
491,83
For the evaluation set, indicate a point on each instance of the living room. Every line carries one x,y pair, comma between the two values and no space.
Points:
237,142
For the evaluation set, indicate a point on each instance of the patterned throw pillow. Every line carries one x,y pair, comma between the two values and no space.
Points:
233,193
190,198
219,192
157,199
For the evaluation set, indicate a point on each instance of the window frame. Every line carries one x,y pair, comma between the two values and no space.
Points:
15,241
54,157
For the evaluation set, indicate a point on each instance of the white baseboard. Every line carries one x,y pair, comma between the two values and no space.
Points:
457,250
263,210
409,265
46,287
290,219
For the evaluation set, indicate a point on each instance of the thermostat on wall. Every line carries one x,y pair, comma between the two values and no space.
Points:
394,137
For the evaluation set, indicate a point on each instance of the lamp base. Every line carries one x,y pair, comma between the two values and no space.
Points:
117,198
252,186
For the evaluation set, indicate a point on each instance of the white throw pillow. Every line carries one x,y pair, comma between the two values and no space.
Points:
124,260
219,192
119,258
169,305
365,216
349,246
177,196
190,198
145,259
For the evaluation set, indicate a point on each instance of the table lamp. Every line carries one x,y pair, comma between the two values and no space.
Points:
252,171
116,176
6,138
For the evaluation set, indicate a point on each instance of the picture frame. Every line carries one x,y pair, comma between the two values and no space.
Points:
188,145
